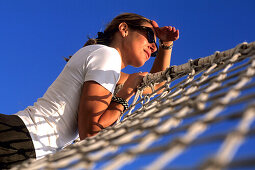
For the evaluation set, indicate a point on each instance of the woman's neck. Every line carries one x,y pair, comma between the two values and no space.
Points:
118,45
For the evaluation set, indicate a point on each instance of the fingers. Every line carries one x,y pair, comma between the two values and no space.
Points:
167,28
154,24
176,35
135,78
166,33
139,77
173,29
177,32
143,73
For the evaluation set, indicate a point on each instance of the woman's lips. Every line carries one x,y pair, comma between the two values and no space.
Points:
148,54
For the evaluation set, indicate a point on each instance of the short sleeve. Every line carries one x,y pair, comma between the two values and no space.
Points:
104,66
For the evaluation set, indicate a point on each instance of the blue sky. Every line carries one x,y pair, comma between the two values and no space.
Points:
35,35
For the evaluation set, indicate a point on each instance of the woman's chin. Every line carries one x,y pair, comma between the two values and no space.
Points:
138,65
138,62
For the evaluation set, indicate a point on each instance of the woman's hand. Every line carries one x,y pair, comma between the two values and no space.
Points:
166,33
130,86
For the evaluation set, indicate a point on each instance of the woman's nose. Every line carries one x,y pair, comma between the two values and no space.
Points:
153,47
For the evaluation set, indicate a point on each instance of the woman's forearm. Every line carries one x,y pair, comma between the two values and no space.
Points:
161,63
111,115
114,110
163,59
94,124
94,116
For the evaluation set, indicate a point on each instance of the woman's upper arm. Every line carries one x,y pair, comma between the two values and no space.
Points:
94,101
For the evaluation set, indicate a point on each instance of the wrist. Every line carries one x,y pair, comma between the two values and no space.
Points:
166,44
121,101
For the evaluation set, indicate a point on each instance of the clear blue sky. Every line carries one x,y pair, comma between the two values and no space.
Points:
36,34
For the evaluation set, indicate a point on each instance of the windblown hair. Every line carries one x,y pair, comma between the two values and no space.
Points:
106,37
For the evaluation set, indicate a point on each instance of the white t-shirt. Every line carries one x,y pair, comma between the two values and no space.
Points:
52,120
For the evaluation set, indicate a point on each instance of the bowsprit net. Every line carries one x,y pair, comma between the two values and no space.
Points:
202,117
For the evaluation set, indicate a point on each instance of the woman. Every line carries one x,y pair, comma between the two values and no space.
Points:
80,101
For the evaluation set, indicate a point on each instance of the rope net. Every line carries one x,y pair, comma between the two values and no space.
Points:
201,118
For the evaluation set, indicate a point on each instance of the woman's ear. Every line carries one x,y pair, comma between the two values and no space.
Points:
123,28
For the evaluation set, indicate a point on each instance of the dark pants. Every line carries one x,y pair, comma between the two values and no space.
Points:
15,141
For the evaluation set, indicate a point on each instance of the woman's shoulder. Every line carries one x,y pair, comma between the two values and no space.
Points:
103,52
94,53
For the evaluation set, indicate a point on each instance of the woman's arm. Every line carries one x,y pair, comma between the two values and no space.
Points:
96,111
167,35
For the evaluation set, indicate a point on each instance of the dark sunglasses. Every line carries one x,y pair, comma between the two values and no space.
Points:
150,35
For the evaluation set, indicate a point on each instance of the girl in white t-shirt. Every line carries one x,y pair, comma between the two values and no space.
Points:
80,102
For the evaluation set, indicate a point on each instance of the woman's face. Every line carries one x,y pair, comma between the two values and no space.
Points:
138,48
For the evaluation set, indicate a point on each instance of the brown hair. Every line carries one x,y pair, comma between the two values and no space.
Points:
106,37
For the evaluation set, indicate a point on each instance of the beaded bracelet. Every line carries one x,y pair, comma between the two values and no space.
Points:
120,101
165,46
